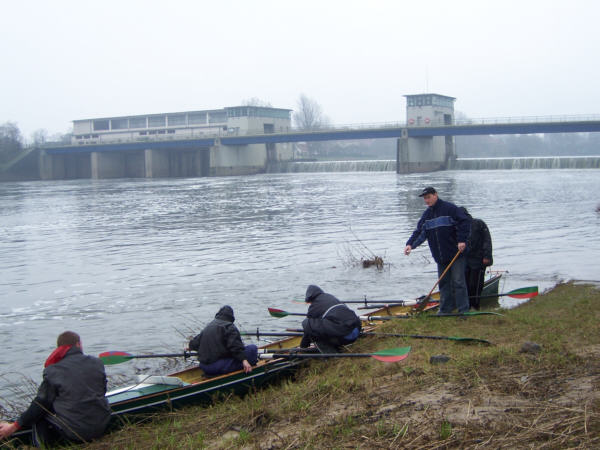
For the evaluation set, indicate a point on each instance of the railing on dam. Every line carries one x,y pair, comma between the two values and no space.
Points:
460,127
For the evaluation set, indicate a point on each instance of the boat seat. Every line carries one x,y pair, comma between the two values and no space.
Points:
158,379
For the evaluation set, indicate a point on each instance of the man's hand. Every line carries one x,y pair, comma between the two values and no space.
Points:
462,246
486,261
6,429
247,366
407,250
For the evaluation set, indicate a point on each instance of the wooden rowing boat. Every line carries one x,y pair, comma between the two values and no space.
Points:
490,288
190,386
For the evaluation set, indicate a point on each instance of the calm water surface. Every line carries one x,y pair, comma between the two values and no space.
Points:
139,265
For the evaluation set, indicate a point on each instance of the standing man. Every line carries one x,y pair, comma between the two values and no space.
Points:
220,347
479,256
446,229
329,323
70,404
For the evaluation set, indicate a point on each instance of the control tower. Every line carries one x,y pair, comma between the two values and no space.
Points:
425,154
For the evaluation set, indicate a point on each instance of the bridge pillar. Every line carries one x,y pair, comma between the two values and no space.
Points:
46,163
402,165
423,154
156,163
108,165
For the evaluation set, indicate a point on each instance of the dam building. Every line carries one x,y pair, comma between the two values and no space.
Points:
427,153
183,144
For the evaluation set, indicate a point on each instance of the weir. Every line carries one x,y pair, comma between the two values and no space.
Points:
556,162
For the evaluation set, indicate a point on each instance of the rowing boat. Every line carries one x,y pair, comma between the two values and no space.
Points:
488,300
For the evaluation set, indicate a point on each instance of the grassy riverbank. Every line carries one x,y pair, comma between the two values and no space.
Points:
485,396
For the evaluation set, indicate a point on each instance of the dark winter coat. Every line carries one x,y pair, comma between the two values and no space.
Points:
479,245
326,317
73,389
219,339
444,225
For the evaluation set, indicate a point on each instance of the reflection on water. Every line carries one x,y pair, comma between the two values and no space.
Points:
138,265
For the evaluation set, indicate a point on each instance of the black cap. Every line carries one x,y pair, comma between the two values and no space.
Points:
428,190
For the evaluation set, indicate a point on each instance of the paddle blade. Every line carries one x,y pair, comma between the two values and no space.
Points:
109,358
526,292
392,354
277,312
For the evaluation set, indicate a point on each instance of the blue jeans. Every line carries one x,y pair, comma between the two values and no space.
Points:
453,287
227,365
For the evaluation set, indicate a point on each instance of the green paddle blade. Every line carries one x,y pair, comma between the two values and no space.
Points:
109,358
392,354
281,313
277,312
526,292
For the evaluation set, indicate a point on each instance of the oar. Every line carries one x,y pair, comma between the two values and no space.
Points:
410,316
424,302
369,333
118,357
388,355
418,336
366,302
524,292
281,313
386,305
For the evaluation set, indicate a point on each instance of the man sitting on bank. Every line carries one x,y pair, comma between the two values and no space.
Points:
70,404
220,347
329,323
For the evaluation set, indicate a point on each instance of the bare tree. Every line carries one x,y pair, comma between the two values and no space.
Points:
309,115
39,137
11,141
254,101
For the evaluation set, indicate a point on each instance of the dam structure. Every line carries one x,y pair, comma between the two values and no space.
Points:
243,140
182,144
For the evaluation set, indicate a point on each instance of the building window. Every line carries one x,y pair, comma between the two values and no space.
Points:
156,121
100,125
119,124
176,120
171,131
137,122
216,117
143,133
197,118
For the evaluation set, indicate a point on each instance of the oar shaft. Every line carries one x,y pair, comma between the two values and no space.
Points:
166,355
314,355
272,334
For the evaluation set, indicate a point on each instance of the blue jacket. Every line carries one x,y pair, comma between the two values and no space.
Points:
444,225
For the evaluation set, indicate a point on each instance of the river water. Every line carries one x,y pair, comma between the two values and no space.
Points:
139,265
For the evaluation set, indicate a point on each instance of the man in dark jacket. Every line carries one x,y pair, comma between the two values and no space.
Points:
70,404
446,228
479,256
329,323
220,347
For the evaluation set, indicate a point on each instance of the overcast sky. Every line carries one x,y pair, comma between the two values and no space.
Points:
64,60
